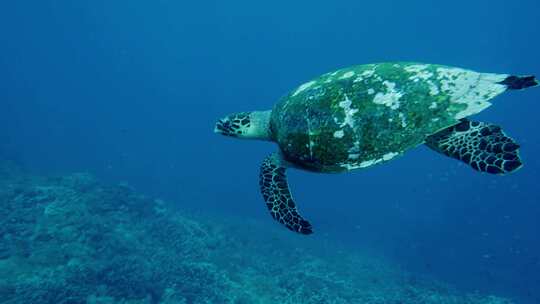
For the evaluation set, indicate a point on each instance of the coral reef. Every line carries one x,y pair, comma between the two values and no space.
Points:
72,240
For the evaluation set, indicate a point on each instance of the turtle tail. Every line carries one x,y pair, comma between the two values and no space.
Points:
520,82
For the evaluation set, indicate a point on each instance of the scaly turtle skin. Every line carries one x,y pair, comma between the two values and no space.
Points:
364,115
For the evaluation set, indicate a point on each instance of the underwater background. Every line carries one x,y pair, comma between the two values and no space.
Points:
128,93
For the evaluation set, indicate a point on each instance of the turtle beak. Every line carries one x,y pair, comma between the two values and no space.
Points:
223,126
218,127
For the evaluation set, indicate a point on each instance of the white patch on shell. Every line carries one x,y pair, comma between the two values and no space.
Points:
365,74
354,156
416,68
311,145
347,75
390,98
349,166
420,74
363,164
348,111
371,91
303,87
403,120
368,73
470,88
310,134
367,163
354,151
433,105
389,156
339,134
433,89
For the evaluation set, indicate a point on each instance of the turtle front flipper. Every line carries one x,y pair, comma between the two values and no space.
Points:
483,146
275,190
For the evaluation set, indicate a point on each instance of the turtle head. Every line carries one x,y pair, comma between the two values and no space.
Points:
248,125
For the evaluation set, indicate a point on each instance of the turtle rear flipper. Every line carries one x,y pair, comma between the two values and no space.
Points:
483,146
520,82
276,194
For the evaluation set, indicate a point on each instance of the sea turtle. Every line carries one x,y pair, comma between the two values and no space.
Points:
364,115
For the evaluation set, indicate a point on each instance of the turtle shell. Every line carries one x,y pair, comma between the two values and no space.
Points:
363,115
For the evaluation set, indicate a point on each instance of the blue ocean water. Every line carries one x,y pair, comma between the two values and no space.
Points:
130,91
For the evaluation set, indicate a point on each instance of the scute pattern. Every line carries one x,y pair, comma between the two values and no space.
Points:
276,194
483,146
352,118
